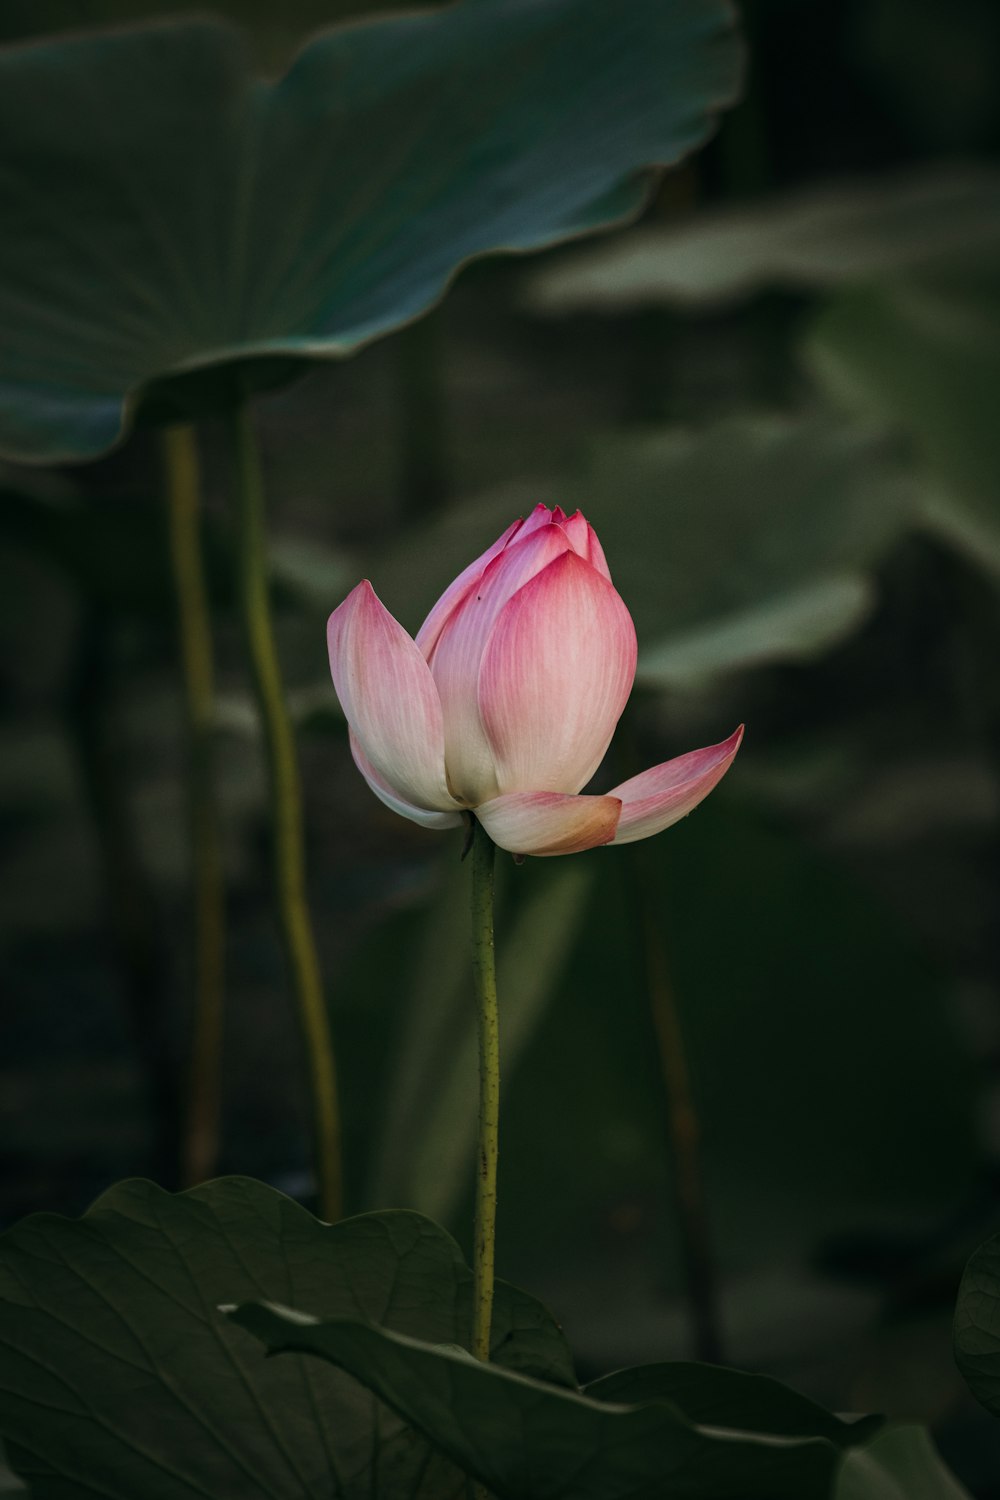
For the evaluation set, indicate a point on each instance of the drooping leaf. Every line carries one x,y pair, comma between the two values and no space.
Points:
820,238
169,217
529,1441
924,354
717,1397
119,1377
977,1325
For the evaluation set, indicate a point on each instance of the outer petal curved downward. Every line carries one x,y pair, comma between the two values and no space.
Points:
389,699
385,793
663,795
456,660
555,677
549,822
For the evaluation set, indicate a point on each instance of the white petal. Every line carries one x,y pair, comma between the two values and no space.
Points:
385,793
549,822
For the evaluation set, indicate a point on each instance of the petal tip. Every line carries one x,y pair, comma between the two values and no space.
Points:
362,590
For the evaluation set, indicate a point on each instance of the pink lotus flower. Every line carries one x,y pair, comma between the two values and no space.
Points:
506,702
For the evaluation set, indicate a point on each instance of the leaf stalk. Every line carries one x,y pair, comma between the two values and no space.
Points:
285,792
200,1131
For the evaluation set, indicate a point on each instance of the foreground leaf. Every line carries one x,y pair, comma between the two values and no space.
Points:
528,1441
168,216
682,1434
119,1377
880,1462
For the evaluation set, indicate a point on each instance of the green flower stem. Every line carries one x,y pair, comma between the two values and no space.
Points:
200,1130
286,812
485,976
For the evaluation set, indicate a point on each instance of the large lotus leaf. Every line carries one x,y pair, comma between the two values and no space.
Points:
273,31
746,541
119,1378
924,353
168,216
819,238
977,1325
529,1441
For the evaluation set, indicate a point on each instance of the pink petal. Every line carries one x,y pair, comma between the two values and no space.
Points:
540,516
457,658
596,555
389,699
659,797
453,595
385,793
555,677
583,540
549,822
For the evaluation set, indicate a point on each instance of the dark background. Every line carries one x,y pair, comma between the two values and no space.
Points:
828,919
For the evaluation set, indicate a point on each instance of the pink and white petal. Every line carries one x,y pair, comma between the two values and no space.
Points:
583,540
556,675
453,595
663,795
549,822
389,699
385,793
457,658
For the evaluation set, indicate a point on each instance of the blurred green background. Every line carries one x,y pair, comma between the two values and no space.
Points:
777,399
